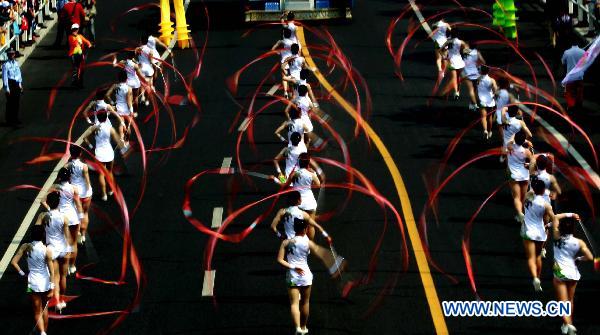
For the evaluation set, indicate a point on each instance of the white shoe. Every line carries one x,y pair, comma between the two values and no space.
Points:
79,239
543,253
568,329
60,306
110,193
537,285
147,102
489,135
502,158
519,217
104,198
82,239
485,134
72,270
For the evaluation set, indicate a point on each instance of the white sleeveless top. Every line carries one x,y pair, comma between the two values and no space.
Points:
296,66
296,126
291,158
121,99
66,203
565,251
534,218
485,91
78,180
132,78
510,129
55,233
516,163
303,183
292,27
297,255
147,57
286,50
99,106
104,151
291,213
38,279
456,60
544,176
471,67
440,33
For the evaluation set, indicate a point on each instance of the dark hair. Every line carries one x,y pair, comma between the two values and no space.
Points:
291,16
538,186
566,226
295,48
75,151
295,138
294,113
303,160
302,90
122,76
542,162
38,233
503,83
64,174
53,199
484,70
472,44
287,33
100,94
102,116
454,33
520,137
304,73
293,198
299,225
513,110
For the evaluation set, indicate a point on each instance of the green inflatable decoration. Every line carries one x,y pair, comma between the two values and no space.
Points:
504,14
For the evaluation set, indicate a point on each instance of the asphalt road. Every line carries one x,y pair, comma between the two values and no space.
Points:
249,290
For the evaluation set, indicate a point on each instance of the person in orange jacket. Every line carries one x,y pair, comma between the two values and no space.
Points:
77,46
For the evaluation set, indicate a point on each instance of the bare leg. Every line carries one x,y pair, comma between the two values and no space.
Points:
57,280
471,90
294,294
484,122
560,288
304,306
538,257
531,258
36,301
523,185
74,230
63,268
571,285
86,218
516,194
102,182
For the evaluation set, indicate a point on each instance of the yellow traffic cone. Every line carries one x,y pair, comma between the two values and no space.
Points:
183,36
166,25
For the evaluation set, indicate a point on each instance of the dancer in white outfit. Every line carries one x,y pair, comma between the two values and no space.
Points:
288,215
486,89
533,229
104,151
284,46
455,48
520,161
294,125
39,283
306,107
295,63
566,273
58,239
134,74
98,105
290,24
124,104
293,255
503,99
291,154
440,36
149,60
473,61
553,190
512,124
80,178
304,180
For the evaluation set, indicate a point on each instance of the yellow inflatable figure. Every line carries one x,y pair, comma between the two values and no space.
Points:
166,25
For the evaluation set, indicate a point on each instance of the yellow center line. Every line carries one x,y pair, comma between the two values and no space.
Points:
413,233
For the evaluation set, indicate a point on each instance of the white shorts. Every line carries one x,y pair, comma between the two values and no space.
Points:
38,283
147,70
538,235
309,203
84,191
105,154
58,253
565,274
485,101
123,110
294,279
134,83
